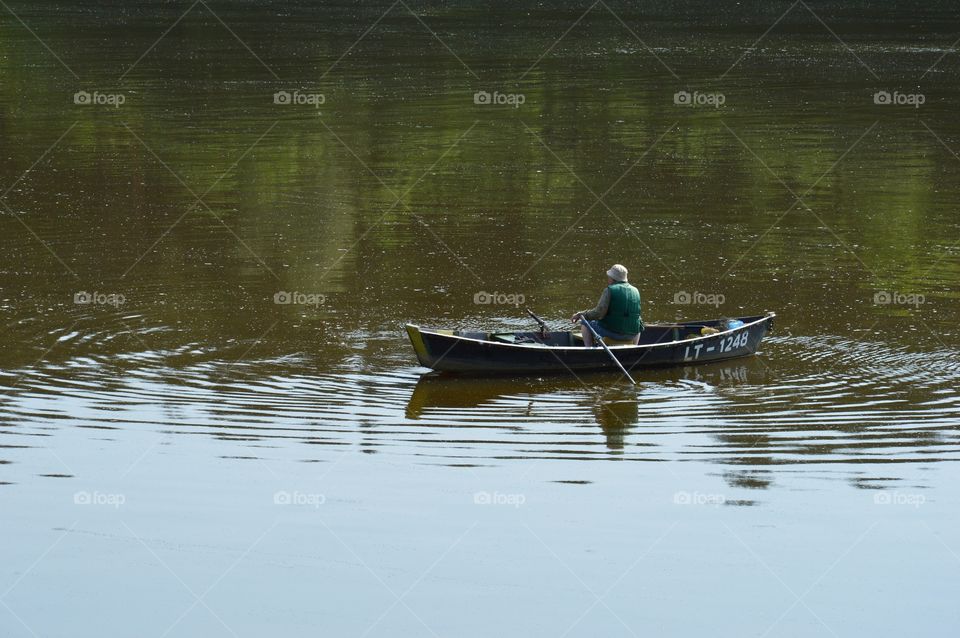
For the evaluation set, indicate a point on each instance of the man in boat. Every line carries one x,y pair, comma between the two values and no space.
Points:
617,315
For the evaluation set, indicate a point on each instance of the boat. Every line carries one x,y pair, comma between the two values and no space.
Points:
545,351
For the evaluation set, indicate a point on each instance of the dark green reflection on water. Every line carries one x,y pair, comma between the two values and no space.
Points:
400,198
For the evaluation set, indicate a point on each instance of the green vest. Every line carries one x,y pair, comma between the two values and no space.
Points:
623,315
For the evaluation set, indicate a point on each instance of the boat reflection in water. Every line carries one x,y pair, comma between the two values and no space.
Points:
512,401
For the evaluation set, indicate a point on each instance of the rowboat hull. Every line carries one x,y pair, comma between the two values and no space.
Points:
531,352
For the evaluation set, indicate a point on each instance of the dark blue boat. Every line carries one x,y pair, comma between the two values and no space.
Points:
660,345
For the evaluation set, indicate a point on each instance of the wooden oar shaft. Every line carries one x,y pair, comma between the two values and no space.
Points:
597,338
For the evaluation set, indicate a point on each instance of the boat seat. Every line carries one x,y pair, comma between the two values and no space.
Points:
577,339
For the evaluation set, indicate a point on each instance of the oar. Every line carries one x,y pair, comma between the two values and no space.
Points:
597,339
543,325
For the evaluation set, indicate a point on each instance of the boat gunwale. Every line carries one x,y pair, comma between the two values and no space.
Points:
649,346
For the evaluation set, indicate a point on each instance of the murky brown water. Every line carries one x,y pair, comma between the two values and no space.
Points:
181,435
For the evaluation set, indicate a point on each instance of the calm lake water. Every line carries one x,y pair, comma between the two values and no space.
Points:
216,219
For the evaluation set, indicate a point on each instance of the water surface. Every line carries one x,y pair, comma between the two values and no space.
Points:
184,455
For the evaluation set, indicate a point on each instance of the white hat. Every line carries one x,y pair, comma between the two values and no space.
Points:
617,273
